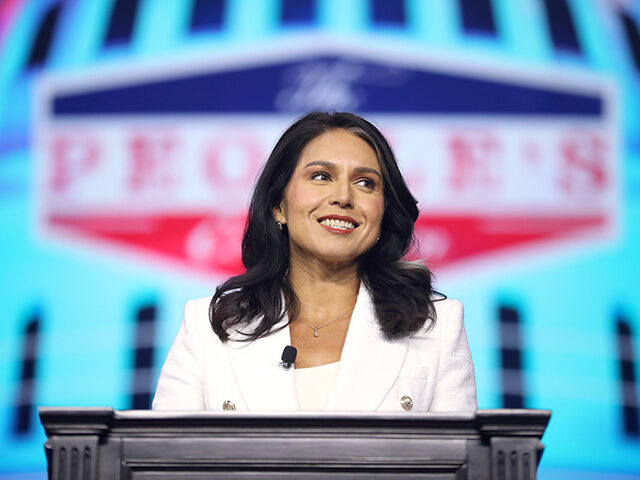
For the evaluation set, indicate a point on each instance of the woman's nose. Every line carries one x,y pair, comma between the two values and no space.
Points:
342,195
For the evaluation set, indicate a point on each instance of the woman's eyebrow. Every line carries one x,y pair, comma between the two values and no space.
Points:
367,170
332,166
321,163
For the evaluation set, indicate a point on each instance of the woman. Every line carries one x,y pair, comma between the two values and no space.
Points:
330,221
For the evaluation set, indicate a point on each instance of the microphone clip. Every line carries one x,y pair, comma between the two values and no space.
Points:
289,355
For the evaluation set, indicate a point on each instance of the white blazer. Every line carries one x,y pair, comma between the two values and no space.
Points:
433,368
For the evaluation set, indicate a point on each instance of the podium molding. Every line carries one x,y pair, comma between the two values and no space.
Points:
103,443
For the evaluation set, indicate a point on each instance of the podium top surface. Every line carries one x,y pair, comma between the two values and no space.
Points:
108,421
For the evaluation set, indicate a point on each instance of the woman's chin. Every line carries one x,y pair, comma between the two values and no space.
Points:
338,258
335,252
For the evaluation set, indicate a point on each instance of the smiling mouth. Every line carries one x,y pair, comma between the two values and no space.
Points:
338,224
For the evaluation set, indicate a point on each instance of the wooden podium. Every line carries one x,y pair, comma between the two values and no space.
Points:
102,443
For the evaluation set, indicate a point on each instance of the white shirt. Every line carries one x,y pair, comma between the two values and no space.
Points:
314,384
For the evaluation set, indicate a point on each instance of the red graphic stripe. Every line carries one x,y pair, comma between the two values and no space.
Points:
211,243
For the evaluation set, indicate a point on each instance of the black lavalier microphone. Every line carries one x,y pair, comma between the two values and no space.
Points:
288,356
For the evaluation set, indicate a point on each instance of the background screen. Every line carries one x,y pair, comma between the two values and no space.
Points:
131,133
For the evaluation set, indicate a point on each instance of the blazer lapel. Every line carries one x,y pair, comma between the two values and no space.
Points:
264,384
370,363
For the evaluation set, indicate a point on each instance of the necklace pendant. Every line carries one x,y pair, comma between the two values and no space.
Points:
315,331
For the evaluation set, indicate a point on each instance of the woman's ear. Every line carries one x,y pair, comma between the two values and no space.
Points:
278,213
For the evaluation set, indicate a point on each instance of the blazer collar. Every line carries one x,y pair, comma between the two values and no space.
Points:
369,365
264,384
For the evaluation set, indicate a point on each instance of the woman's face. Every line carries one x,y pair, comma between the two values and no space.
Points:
334,203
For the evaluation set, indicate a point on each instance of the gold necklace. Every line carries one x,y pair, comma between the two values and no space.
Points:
315,329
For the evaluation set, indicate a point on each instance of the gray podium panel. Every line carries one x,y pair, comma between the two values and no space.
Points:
101,443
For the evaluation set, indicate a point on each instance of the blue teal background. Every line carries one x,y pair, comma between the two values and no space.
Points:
87,300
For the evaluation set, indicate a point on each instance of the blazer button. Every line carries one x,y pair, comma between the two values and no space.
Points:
228,405
406,402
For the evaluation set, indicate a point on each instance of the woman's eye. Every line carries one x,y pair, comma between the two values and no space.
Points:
323,176
367,183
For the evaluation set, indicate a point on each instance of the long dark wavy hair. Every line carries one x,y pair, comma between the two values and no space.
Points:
401,291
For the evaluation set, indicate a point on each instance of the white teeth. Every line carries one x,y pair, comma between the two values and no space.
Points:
335,223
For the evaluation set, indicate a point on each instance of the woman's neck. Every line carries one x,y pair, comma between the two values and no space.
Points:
323,289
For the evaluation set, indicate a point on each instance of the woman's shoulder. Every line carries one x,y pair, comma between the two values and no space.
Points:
449,314
196,313
197,320
447,306
200,303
